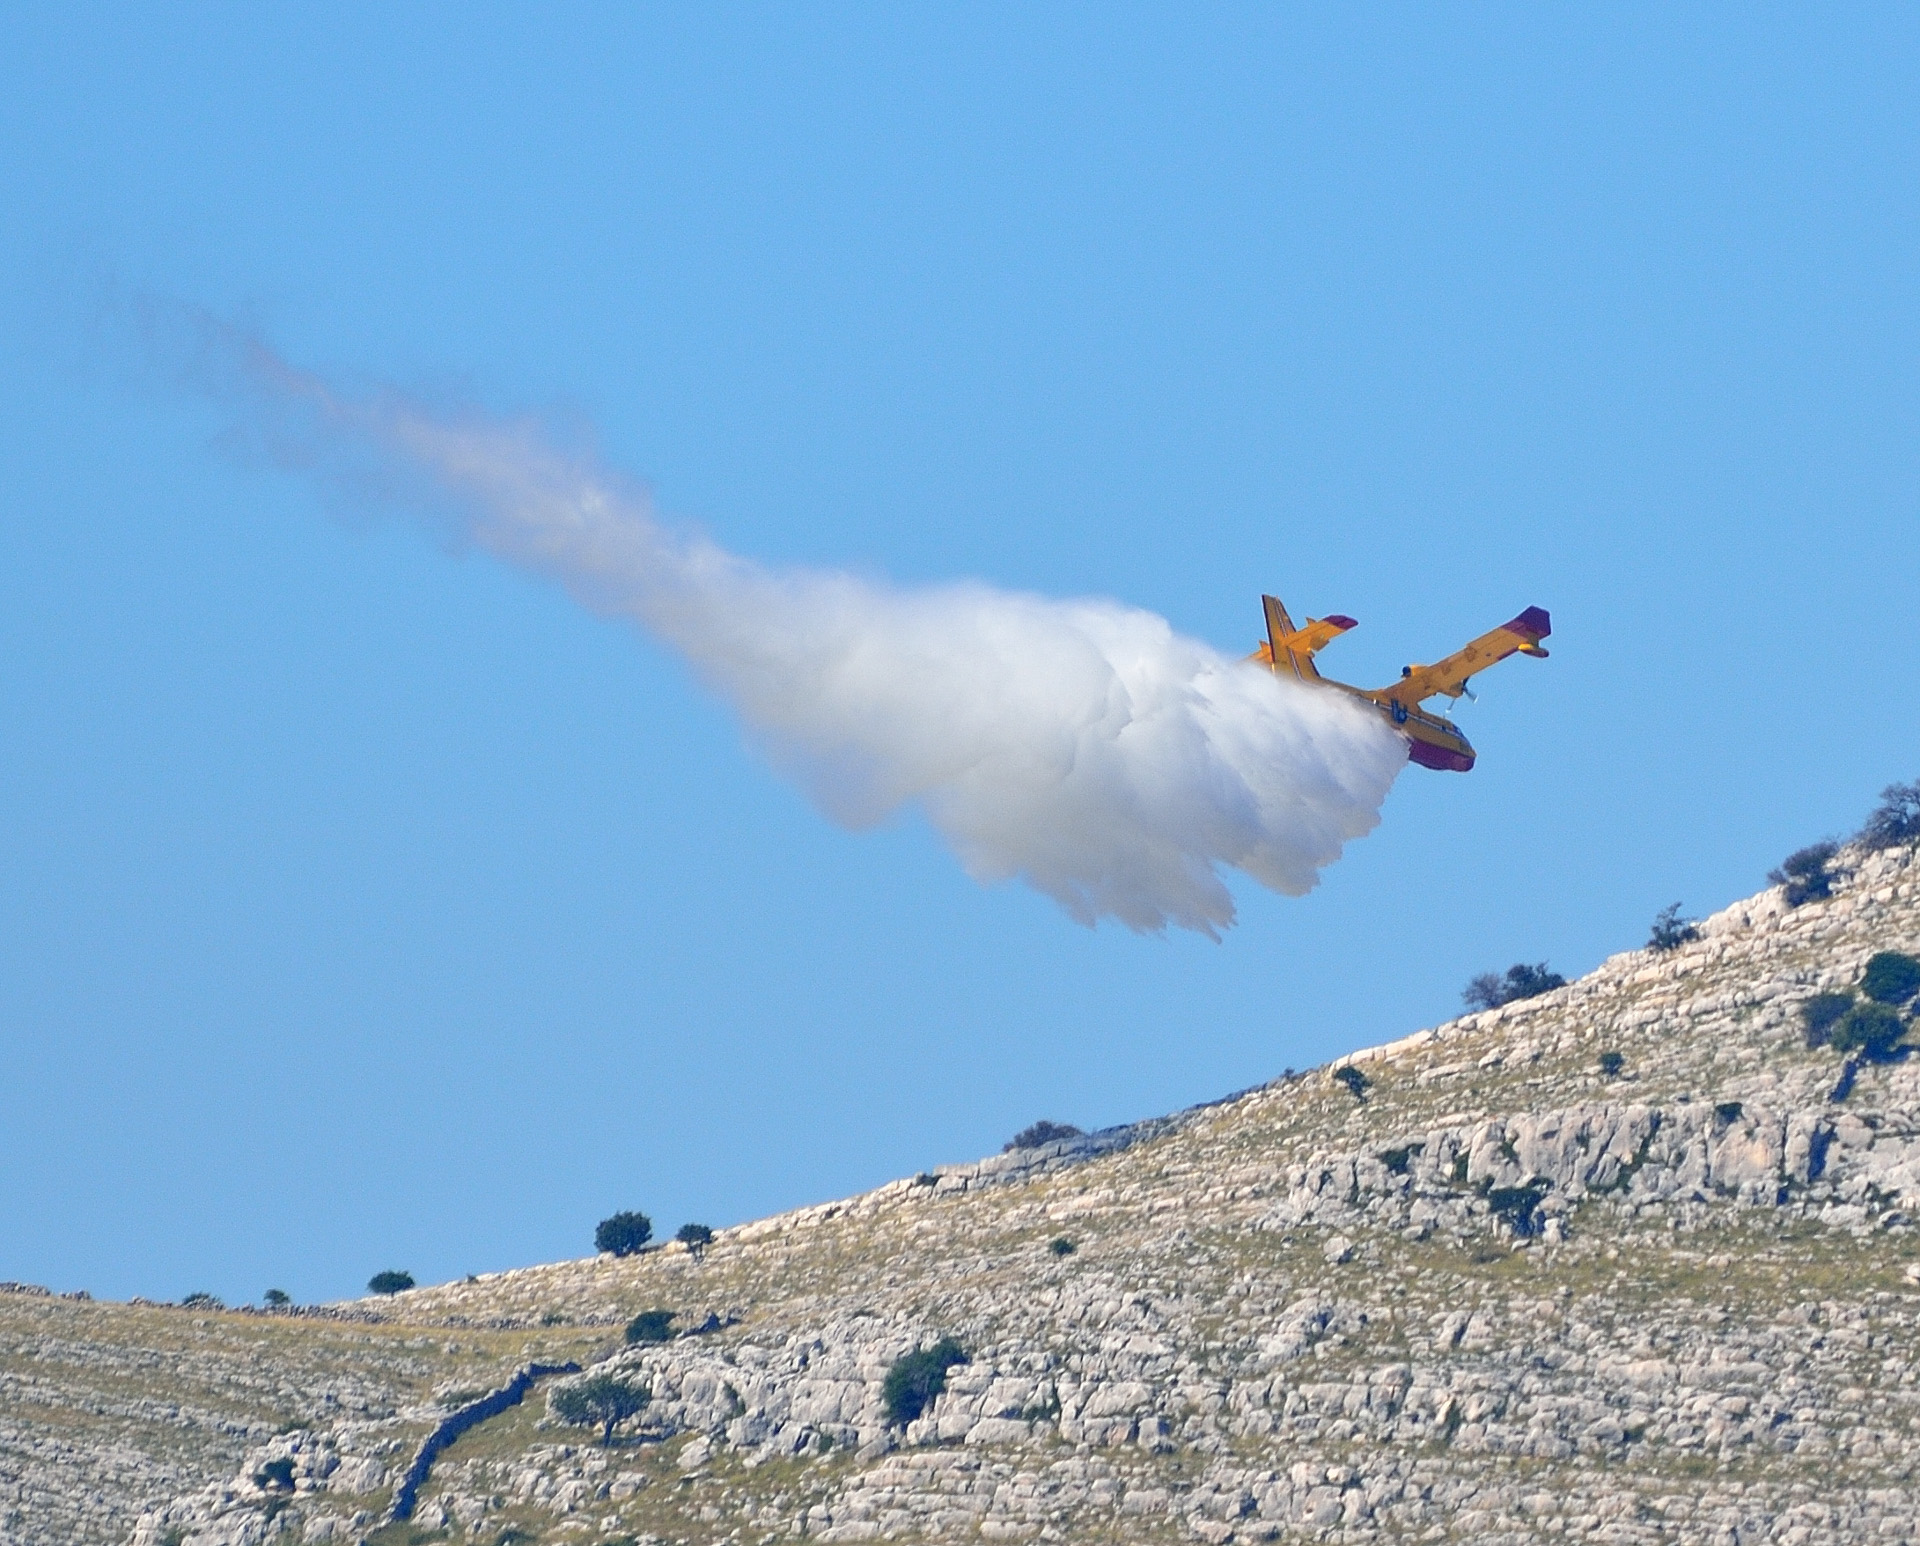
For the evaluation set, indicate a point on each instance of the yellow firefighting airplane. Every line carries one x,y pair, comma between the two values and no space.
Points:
1432,740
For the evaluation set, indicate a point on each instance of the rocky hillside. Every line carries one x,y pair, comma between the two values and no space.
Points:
1484,1284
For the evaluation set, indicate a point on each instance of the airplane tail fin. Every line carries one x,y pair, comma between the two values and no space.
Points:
1290,649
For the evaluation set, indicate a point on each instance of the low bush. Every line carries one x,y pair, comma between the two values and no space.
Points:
390,1282
1611,1063
1518,1207
276,1299
1490,989
602,1401
1891,978
1728,1112
201,1302
651,1326
695,1237
1874,1030
1805,875
1355,1081
1039,1133
1821,1013
623,1234
1671,931
1061,1247
916,1379
1895,822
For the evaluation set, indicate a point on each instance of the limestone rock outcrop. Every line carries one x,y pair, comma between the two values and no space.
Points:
1500,1289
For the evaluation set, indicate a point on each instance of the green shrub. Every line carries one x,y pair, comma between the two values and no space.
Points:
1671,931
623,1234
1061,1246
1611,1063
1891,978
276,1299
602,1401
1518,1207
1355,1081
695,1237
1895,822
1490,989
651,1326
1039,1133
1804,874
1727,1112
201,1302
1821,1013
390,1282
917,1378
1871,1029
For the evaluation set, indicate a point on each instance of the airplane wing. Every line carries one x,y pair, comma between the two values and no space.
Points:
1449,676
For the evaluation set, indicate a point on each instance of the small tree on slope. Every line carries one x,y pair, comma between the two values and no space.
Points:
602,1401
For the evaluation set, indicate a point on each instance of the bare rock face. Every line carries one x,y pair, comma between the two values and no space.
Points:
1500,1295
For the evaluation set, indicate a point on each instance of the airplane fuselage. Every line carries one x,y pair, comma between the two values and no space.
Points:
1432,740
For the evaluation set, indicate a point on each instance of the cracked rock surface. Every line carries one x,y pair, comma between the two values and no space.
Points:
1504,1297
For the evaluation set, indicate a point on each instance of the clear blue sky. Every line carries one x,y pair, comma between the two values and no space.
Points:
366,906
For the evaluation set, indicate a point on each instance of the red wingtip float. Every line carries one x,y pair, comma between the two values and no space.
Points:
1433,741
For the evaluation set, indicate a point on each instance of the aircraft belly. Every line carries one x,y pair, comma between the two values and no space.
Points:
1443,759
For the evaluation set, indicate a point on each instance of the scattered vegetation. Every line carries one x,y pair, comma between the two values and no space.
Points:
651,1326
1671,931
1061,1246
276,1299
1874,1030
201,1302
1821,1013
1518,1207
602,1401
1895,822
553,1318
1806,875
1611,1063
916,1379
1490,989
390,1282
1891,978
1041,1132
695,1237
623,1234
1355,1081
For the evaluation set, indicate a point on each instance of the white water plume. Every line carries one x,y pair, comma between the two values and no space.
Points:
1082,746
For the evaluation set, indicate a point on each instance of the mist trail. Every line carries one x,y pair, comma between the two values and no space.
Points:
1082,746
